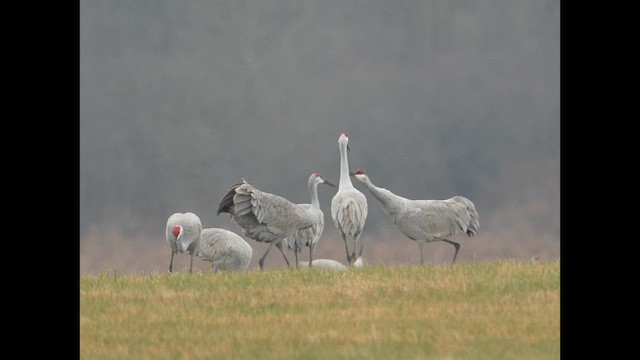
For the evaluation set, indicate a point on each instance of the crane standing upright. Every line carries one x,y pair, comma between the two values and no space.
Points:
349,205
267,217
310,236
426,220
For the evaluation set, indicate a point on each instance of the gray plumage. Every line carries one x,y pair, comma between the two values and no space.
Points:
349,205
323,264
426,220
266,217
310,236
333,264
225,250
183,234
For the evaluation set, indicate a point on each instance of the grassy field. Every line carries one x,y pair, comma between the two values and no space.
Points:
481,310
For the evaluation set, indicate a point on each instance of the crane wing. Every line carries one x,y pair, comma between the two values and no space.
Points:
467,215
438,219
349,212
310,235
269,209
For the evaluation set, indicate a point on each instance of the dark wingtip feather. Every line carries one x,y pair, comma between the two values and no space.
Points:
226,204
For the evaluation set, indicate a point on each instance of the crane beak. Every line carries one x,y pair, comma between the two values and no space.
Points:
329,183
186,246
183,246
351,173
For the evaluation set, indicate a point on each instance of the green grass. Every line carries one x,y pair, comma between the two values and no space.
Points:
486,310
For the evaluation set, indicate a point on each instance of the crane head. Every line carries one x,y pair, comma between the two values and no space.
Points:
344,139
316,177
360,175
177,230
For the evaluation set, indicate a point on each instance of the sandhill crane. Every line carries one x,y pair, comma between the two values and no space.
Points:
323,264
349,205
310,236
267,217
426,220
225,250
333,264
183,234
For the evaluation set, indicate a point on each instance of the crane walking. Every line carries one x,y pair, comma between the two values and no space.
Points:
267,217
183,234
426,220
225,250
349,205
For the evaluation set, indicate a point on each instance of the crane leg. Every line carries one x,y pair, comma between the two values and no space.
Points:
171,262
421,245
355,246
261,261
191,263
359,254
457,246
295,252
311,246
279,246
347,248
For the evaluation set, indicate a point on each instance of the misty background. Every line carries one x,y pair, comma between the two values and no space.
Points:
181,99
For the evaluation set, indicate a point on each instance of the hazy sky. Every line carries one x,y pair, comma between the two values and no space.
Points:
179,100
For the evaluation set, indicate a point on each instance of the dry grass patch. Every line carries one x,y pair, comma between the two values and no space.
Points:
499,309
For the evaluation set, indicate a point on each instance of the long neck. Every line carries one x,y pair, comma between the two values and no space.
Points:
313,189
389,200
345,180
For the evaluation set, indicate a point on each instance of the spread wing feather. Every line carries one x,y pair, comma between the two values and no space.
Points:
263,216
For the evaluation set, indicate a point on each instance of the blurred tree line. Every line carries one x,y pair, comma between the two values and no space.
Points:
179,100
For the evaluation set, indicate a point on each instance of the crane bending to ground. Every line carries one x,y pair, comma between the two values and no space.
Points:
426,220
349,205
333,264
183,234
225,250
267,217
310,236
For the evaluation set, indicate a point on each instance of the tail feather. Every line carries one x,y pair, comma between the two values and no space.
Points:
242,204
226,204
473,223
